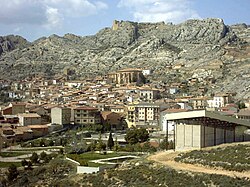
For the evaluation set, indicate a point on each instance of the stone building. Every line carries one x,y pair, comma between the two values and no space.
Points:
127,76
60,115
115,25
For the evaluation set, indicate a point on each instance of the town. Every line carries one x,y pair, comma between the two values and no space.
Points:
120,100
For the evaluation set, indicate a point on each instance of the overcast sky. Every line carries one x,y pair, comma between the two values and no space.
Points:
33,19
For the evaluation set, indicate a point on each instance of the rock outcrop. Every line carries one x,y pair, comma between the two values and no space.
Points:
11,42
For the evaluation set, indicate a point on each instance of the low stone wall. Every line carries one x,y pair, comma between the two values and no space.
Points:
108,165
85,169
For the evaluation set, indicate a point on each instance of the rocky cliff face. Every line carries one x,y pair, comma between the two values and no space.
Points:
205,49
11,42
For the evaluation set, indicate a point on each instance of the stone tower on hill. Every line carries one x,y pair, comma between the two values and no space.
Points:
115,25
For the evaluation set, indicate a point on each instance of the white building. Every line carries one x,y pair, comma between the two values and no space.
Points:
146,72
60,115
219,100
201,128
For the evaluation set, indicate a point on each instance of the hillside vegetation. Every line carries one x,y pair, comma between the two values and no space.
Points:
236,158
160,171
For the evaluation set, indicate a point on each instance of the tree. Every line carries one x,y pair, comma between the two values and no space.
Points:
241,105
24,162
116,145
12,172
48,158
131,136
142,134
43,156
107,127
100,146
134,136
163,144
63,142
29,164
166,145
42,143
51,143
92,146
110,141
34,158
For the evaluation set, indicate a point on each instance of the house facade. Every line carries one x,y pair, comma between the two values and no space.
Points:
143,115
86,116
26,119
112,119
149,94
219,100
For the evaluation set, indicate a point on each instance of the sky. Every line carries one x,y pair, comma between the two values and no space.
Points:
33,19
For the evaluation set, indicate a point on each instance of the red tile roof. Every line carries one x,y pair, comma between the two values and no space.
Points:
85,108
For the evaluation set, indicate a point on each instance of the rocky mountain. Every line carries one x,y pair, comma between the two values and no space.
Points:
216,54
11,42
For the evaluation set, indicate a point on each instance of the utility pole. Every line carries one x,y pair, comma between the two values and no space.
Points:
167,135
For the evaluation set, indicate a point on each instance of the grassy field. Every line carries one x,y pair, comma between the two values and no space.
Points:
7,164
12,154
85,158
235,158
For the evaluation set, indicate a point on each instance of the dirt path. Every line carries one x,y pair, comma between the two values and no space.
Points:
167,158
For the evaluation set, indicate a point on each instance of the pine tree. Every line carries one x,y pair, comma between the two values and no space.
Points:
110,141
34,158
